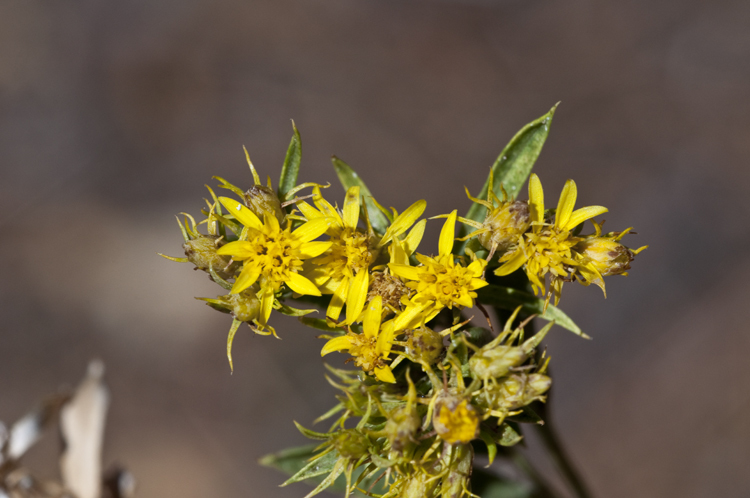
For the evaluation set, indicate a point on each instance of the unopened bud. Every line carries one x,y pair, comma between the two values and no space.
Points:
263,200
608,256
496,362
244,306
351,443
419,485
518,391
401,427
455,421
505,224
424,344
201,251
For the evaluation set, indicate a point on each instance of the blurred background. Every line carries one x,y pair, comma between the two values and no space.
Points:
113,115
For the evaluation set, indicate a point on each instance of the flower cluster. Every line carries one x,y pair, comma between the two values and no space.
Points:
427,382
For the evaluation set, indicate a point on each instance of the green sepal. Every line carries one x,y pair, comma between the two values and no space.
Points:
289,311
320,324
322,436
509,299
510,436
323,464
513,166
527,416
349,178
489,440
290,170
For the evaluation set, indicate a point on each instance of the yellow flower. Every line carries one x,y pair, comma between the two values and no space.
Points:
272,255
456,421
548,249
344,269
371,348
439,282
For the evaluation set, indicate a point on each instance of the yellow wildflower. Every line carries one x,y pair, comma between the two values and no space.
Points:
439,282
371,348
272,255
344,269
456,421
548,248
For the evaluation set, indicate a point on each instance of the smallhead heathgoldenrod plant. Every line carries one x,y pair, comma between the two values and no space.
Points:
429,394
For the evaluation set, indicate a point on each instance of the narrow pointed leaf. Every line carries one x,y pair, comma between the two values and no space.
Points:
513,165
349,178
290,170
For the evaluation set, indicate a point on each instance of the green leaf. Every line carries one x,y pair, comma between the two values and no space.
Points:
297,463
509,436
489,440
509,299
290,170
513,165
320,324
349,178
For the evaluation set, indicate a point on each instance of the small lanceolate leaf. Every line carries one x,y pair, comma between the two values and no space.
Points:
312,434
349,178
513,165
320,324
290,170
296,461
509,299
509,436
489,440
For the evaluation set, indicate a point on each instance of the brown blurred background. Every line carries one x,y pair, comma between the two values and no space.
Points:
113,115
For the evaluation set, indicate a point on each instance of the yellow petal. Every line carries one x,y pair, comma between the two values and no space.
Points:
385,339
308,211
447,234
513,264
266,305
583,214
465,300
271,222
411,242
410,317
338,299
404,221
248,276
313,249
476,267
336,344
404,271
239,249
385,374
477,283
398,254
357,295
312,229
242,213
325,206
536,201
351,207
373,314
301,285
566,203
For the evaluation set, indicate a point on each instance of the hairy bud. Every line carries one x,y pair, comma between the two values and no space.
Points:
608,256
201,251
494,362
505,224
455,420
401,426
424,344
263,200
351,443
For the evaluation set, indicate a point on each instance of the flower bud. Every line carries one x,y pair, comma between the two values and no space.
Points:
608,256
201,251
350,443
419,485
263,200
401,426
505,224
244,306
518,391
455,420
424,344
494,362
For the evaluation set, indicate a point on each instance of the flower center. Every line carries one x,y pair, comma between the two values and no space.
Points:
550,251
275,253
349,254
444,281
364,351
